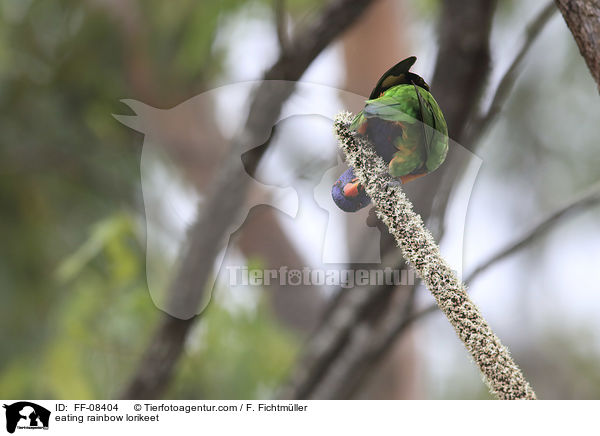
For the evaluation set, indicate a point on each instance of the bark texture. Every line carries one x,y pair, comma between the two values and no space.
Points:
583,19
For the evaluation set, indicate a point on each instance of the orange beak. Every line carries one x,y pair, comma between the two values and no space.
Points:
351,190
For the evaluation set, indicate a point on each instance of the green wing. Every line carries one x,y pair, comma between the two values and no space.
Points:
397,104
400,104
437,131
424,143
406,160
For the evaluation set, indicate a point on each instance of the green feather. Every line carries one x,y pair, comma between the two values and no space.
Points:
424,142
405,161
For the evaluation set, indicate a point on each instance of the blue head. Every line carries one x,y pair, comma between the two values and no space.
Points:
348,194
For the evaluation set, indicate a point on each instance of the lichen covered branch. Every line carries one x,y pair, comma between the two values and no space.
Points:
499,371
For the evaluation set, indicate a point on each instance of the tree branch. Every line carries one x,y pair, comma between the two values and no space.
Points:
583,19
330,339
356,366
480,125
224,201
281,25
588,199
462,65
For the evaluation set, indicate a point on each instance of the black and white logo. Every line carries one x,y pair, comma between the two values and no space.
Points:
26,415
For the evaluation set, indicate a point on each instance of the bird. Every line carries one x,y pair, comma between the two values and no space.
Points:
348,194
406,126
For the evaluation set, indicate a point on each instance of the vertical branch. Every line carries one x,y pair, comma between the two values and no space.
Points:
281,25
533,30
500,372
463,61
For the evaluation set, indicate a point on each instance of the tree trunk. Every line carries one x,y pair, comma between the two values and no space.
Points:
583,19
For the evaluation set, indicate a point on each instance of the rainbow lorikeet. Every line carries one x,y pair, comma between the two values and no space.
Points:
405,125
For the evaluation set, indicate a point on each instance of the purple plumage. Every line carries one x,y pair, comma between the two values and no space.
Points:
348,194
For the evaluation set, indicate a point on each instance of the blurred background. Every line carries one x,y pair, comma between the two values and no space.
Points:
78,313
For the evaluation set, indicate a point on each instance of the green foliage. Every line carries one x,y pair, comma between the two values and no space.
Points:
235,353
76,307
99,310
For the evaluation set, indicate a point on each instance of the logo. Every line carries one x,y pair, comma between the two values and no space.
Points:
26,415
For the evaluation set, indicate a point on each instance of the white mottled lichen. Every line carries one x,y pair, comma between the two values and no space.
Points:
500,372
